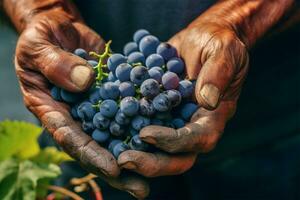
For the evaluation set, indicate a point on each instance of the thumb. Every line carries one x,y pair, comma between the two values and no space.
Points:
62,68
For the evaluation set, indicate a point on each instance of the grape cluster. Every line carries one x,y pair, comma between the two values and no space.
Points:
143,86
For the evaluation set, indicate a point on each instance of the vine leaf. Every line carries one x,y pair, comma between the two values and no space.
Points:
51,155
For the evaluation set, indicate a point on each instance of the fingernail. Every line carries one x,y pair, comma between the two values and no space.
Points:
81,76
210,94
128,165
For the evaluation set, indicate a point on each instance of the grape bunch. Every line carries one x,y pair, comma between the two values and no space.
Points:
143,86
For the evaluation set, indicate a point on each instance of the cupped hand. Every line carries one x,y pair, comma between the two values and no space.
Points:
42,59
218,60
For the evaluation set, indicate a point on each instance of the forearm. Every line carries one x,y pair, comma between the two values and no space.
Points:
21,12
249,19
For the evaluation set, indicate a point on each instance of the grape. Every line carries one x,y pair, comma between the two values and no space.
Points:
136,57
187,110
114,60
178,123
108,108
133,132
137,144
117,82
154,60
166,51
86,111
126,89
74,113
186,88
87,127
129,48
94,95
100,135
174,96
146,107
165,116
55,93
170,80
111,77
112,144
157,122
109,90
150,88
116,129
161,71
155,74
81,53
93,63
129,106
148,45
169,124
123,72
100,121
139,74
161,102
70,97
175,65
121,118
119,148
139,34
139,122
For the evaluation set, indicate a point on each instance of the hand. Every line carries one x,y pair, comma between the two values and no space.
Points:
43,58
214,48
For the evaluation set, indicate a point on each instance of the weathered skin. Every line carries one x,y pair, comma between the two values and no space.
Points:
214,48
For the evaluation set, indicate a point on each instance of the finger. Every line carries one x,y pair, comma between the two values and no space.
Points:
156,164
133,184
60,67
201,135
223,71
66,132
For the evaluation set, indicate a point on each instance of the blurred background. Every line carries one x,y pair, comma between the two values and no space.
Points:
258,156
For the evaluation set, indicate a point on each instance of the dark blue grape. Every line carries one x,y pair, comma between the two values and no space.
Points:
136,57
100,135
121,118
158,69
139,74
170,80
155,74
154,60
94,95
108,108
119,148
81,53
109,90
175,65
161,102
123,72
178,123
87,127
186,88
129,106
86,111
114,60
166,51
148,45
150,88
74,113
126,89
146,107
111,77
169,124
112,144
117,82
139,34
165,116
70,97
100,121
116,129
187,110
157,122
130,47
174,96
139,122
137,144
55,93
93,63
133,132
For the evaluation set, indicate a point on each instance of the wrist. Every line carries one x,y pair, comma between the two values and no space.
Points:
248,19
24,12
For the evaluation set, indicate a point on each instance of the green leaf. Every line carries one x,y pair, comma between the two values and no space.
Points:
20,180
18,139
51,155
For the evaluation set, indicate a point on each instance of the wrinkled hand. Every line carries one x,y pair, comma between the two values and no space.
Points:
43,58
215,56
